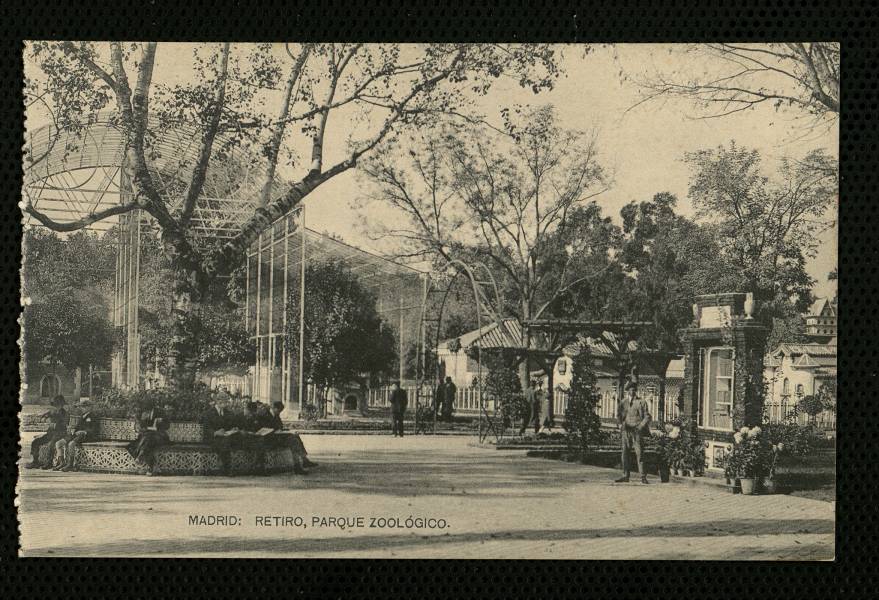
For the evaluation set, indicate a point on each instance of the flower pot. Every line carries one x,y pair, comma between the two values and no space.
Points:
770,486
664,474
748,485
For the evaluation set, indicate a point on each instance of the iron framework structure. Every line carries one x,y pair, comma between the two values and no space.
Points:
276,269
71,175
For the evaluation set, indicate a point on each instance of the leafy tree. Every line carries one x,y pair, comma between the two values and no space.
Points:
582,423
827,394
811,405
518,198
214,332
68,285
668,260
767,226
376,89
64,327
503,386
345,337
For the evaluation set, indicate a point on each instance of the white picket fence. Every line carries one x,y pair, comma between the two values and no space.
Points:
607,406
786,411
466,399
467,402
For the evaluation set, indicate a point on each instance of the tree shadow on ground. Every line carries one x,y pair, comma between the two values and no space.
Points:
297,546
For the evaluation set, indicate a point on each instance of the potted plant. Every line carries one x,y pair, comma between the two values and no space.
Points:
670,446
691,451
665,443
770,485
750,459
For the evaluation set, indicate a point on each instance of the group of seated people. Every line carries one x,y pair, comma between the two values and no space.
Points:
260,428
62,443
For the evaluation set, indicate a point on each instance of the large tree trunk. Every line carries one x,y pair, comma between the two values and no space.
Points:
182,361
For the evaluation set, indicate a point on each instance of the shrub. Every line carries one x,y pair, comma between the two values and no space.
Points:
176,404
792,438
811,405
681,447
503,386
310,413
582,423
670,445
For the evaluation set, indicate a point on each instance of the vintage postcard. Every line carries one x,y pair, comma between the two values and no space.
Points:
524,301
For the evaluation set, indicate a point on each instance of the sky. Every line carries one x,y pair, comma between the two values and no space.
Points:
643,145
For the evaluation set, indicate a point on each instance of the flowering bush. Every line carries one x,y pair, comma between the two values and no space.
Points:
680,446
671,445
752,456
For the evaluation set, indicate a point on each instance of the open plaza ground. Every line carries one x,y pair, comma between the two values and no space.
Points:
494,504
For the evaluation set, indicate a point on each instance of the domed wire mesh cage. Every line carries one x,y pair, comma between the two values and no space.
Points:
70,175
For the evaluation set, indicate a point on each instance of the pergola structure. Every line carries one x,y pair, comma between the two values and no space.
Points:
70,176
618,336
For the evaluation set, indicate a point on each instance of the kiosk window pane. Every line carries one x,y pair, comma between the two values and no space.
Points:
718,389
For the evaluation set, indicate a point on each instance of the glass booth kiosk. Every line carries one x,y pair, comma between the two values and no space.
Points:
723,370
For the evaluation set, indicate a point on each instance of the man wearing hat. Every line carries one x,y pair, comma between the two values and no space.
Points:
57,430
634,417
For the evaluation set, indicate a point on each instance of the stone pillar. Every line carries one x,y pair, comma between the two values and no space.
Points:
725,320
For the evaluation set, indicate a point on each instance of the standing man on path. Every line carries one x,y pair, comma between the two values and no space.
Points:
634,417
450,390
439,398
537,406
528,409
399,401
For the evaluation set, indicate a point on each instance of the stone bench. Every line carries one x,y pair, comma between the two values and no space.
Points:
177,459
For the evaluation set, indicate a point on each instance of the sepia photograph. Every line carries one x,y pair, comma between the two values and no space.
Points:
429,300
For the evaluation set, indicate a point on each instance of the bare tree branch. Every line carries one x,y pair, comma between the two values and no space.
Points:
81,223
199,171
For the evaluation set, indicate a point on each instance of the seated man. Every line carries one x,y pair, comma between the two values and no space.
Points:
220,432
67,447
152,433
57,431
250,429
272,419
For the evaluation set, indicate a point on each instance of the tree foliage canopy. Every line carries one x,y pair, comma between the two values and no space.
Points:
69,284
345,337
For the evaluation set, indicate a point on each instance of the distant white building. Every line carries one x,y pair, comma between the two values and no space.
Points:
821,321
796,370
455,362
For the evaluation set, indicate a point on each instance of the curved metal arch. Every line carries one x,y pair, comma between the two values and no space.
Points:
481,304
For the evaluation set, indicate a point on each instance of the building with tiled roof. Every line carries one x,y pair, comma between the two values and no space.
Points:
796,370
462,368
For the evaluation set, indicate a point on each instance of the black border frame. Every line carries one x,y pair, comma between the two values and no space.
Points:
854,24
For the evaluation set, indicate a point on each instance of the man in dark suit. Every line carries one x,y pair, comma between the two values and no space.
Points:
399,402
220,432
439,398
450,390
